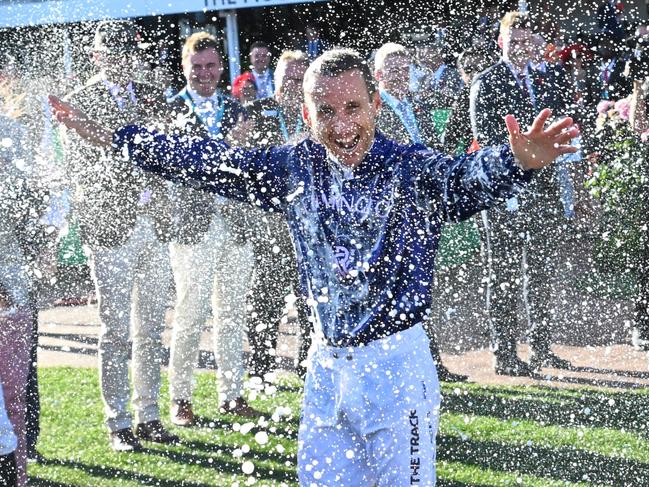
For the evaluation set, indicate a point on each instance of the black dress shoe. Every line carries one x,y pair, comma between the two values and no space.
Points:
154,431
539,360
445,375
513,366
124,440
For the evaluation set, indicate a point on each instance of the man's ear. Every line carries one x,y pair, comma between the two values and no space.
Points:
305,115
376,101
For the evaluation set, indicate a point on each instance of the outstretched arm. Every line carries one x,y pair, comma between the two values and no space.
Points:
470,183
76,120
254,176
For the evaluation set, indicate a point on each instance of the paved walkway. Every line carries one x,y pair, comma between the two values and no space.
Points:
68,336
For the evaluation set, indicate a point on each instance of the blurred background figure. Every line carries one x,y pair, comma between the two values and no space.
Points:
276,120
244,89
8,443
313,46
17,307
524,235
124,219
260,58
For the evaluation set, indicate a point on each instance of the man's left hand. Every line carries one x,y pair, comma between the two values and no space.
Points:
539,146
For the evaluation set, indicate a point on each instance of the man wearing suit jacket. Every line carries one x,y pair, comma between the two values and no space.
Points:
210,255
275,121
260,57
524,234
313,45
124,218
403,117
406,120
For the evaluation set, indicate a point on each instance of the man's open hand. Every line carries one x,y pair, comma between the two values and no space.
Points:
76,120
539,146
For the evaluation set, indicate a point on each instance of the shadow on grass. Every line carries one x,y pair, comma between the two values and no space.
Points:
586,408
455,483
220,465
201,446
563,463
286,427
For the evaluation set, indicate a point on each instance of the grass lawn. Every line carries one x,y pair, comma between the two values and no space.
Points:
489,436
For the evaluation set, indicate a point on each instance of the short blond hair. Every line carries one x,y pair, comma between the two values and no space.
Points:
387,51
285,58
199,41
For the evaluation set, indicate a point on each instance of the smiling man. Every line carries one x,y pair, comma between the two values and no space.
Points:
365,215
211,260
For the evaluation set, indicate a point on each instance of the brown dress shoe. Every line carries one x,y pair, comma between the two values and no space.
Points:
124,440
239,407
154,431
181,413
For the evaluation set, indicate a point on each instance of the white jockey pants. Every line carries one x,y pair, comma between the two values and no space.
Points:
217,269
370,414
132,283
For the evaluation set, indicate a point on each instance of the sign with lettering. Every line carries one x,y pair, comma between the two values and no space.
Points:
13,14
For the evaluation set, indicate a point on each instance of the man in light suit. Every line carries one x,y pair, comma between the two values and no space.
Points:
275,120
210,255
523,235
124,218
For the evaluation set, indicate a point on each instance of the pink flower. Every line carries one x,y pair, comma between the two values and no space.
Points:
644,136
623,108
604,106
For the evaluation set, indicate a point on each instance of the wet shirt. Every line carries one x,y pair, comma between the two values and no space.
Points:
366,237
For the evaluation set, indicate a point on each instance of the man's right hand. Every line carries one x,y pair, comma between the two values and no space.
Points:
76,120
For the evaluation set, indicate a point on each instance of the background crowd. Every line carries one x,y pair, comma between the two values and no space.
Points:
149,244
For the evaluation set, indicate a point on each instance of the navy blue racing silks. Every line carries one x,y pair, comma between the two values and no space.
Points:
365,237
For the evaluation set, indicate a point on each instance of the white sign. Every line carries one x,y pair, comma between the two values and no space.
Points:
13,14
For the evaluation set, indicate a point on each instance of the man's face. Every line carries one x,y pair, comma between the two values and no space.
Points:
394,75
290,92
260,59
342,115
518,47
118,66
203,70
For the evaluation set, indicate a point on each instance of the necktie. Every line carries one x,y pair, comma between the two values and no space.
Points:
522,81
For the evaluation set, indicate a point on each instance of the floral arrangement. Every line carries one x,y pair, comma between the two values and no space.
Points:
620,181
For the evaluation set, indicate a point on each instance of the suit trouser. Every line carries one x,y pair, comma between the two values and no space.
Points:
522,254
219,268
15,347
275,277
33,416
132,283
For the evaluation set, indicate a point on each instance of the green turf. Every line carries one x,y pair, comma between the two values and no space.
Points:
489,436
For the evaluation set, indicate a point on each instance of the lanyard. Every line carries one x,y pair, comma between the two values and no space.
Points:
211,123
114,90
438,76
406,116
283,127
